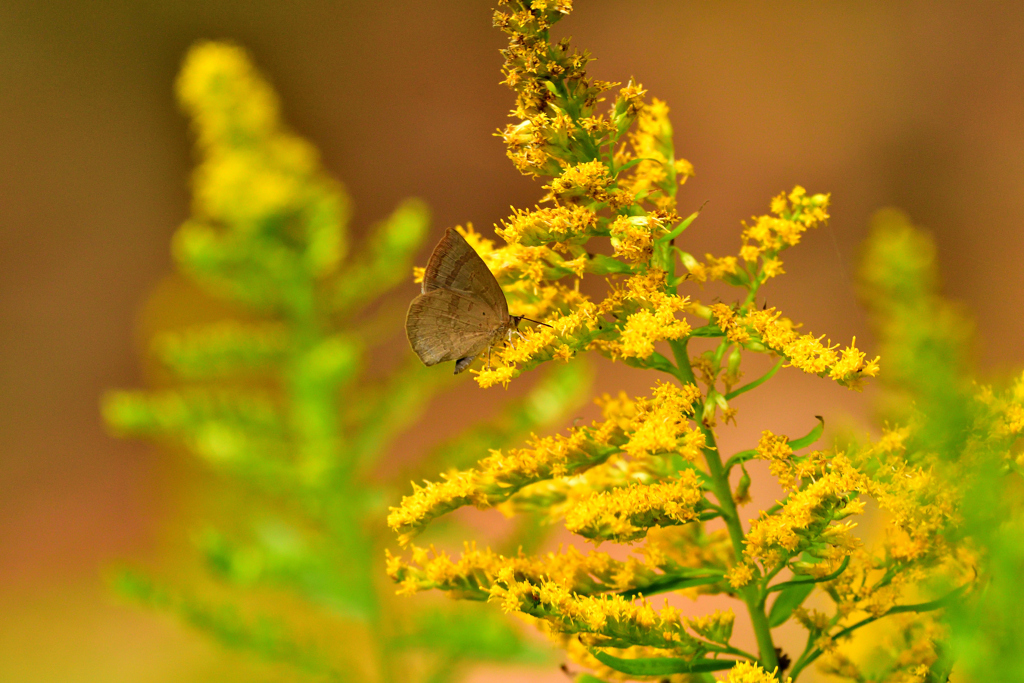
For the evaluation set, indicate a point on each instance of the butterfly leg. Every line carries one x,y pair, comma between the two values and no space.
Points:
510,340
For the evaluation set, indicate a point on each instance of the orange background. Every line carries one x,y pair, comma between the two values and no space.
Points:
914,104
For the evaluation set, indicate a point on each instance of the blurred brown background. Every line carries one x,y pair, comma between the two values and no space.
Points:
917,105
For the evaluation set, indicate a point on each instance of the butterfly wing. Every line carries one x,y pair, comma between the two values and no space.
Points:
444,324
455,265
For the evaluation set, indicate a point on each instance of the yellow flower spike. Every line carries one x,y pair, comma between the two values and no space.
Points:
625,514
560,224
651,144
807,353
222,73
793,215
500,475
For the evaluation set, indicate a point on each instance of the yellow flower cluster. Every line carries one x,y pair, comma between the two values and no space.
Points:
644,313
790,217
565,336
633,236
648,314
806,518
550,81
650,470
1004,411
714,268
747,672
658,439
740,575
716,627
625,514
476,571
659,424
586,180
610,620
905,654
806,352
690,546
498,476
560,224
568,590
783,465
255,175
920,507
639,428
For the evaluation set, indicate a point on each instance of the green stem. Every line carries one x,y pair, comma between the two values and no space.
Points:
722,491
682,357
750,593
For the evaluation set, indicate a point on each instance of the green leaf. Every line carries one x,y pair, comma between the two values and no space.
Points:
811,437
828,577
672,583
678,230
789,599
662,666
655,360
600,264
707,331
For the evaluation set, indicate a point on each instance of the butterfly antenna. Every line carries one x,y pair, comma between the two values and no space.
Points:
523,317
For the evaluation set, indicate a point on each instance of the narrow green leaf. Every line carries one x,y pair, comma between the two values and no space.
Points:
827,577
662,666
600,264
756,383
789,599
811,437
678,230
707,331
672,583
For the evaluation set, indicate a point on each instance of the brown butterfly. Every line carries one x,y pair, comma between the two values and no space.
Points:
461,311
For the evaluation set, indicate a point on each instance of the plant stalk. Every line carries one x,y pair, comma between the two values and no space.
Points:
722,491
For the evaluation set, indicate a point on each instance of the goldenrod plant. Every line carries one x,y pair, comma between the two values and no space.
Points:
650,474
292,399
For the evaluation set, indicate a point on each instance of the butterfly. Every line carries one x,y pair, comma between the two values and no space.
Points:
461,310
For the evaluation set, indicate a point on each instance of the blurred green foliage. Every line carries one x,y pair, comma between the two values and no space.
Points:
286,399
926,343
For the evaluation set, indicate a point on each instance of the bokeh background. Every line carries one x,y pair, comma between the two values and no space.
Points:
918,105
